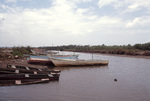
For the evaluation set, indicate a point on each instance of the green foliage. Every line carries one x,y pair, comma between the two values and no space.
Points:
0,53
21,50
145,46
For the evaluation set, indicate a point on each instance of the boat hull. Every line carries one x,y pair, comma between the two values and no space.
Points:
20,75
70,62
23,82
28,70
28,76
39,61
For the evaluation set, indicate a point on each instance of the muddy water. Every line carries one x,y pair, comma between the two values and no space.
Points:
90,83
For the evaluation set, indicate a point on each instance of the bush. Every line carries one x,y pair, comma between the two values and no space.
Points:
20,51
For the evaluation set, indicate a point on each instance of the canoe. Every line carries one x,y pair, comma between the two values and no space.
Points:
23,82
72,62
16,71
20,75
31,69
28,76
23,71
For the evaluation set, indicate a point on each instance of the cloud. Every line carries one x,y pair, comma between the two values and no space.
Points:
102,3
125,5
79,1
7,8
10,1
139,22
61,20
132,23
65,23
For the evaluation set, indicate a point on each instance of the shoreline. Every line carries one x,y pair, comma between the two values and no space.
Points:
23,62
131,56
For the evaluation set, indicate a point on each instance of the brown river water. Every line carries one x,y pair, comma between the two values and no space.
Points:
94,83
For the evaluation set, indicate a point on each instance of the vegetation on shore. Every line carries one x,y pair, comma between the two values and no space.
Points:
15,52
20,51
137,49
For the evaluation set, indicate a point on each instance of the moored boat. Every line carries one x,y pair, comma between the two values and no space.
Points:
28,76
23,82
63,56
39,61
25,69
73,62
20,75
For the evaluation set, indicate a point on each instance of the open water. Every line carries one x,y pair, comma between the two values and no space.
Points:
90,83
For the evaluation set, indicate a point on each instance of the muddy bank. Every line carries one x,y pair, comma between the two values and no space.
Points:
143,54
21,62
131,56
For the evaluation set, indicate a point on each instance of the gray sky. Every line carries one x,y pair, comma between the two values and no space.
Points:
77,22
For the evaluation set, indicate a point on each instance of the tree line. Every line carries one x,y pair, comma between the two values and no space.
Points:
145,46
137,49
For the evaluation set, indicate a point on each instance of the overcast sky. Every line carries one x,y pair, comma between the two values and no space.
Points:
77,22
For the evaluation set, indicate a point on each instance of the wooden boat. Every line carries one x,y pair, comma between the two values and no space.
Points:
23,82
28,76
24,69
16,71
72,62
20,75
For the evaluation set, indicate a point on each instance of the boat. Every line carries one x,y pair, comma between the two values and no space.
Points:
47,59
73,62
25,69
63,56
52,52
39,61
28,76
23,82
20,75
55,54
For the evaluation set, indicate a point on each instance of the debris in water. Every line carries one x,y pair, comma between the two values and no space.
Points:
115,80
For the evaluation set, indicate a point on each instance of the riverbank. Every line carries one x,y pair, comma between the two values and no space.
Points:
20,62
133,54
